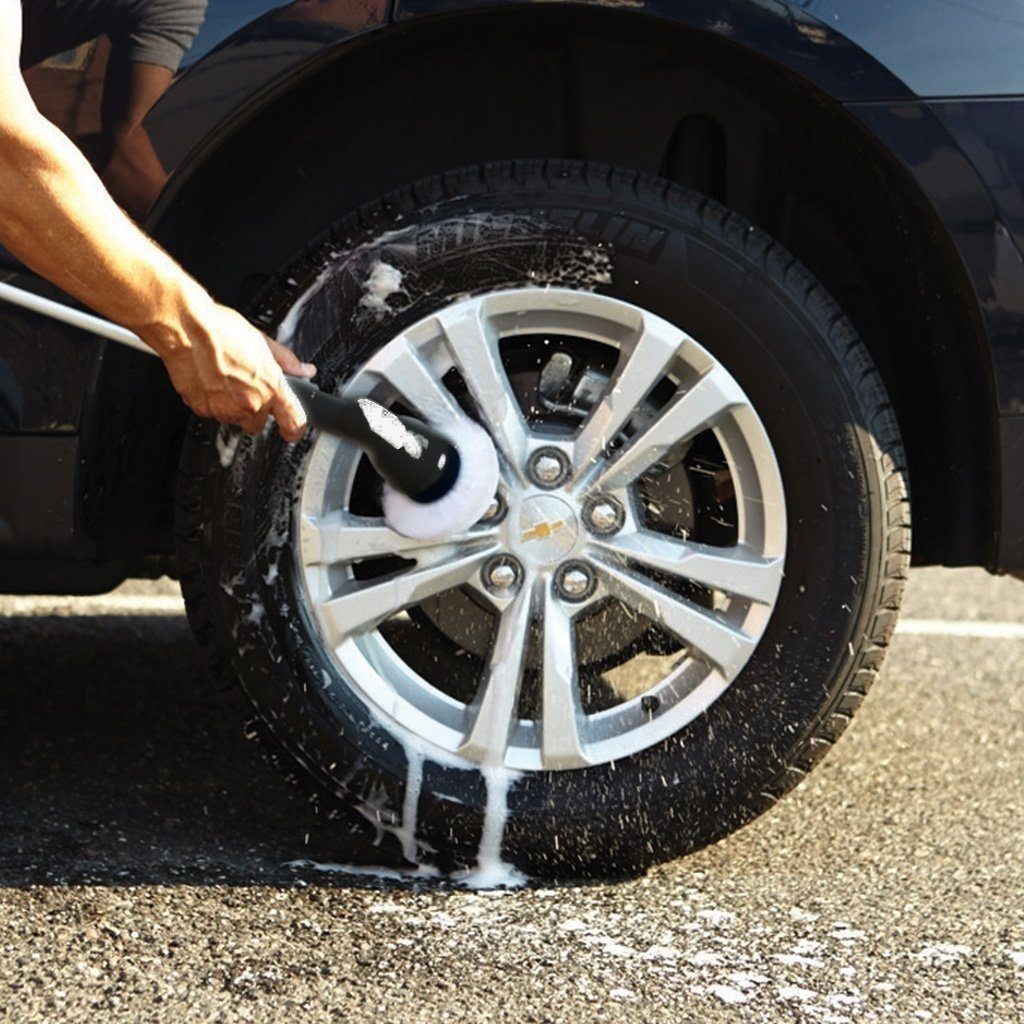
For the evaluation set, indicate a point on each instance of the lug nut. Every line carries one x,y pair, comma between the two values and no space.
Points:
548,467
574,581
604,515
495,510
502,575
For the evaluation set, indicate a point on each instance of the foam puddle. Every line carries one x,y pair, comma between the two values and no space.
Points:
490,871
363,871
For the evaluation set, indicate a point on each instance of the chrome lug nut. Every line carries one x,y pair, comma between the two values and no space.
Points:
574,581
495,510
502,575
548,467
604,515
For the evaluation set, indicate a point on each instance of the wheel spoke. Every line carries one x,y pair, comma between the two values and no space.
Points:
704,632
363,605
493,713
735,570
561,713
474,347
691,412
634,379
340,536
419,387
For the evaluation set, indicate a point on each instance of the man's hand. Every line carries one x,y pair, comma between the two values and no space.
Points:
227,370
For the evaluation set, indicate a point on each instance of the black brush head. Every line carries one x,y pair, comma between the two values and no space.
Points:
450,465
407,453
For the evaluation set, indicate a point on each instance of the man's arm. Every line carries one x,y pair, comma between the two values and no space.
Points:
58,219
131,170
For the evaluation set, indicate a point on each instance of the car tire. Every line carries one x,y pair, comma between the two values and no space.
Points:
622,242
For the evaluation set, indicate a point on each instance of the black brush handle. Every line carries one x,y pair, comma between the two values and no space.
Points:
425,470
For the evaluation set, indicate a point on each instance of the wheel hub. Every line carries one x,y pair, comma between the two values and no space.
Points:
545,531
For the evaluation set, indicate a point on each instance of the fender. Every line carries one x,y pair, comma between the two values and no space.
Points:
245,71
923,48
846,48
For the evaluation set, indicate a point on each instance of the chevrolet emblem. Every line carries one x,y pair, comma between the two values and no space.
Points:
543,530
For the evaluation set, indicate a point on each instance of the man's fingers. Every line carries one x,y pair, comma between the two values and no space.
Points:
290,362
288,413
254,423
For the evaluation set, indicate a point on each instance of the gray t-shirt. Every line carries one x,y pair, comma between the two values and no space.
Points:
142,31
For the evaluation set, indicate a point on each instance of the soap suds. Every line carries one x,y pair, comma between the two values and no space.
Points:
227,441
286,330
706,958
365,870
943,952
491,872
383,282
385,270
406,833
728,994
795,960
795,992
716,917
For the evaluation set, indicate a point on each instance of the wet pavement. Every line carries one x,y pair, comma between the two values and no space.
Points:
144,844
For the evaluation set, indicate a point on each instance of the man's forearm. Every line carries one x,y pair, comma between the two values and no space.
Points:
56,216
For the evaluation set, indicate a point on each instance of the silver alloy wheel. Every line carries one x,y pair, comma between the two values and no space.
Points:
542,529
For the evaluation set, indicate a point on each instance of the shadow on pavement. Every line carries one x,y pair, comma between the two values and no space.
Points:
121,764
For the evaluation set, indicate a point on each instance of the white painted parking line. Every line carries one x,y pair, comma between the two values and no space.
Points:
169,604
104,604
963,628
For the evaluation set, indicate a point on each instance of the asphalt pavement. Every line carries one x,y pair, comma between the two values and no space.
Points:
144,852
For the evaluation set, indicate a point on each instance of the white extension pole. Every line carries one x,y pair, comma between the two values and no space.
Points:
75,317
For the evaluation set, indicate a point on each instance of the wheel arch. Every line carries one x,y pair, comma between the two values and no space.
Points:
535,81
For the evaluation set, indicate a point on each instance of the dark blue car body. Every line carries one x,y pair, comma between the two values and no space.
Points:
881,142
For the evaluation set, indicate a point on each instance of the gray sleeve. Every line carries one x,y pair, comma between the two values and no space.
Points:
162,30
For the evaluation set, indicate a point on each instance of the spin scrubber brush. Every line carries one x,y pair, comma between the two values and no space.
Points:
436,483
467,497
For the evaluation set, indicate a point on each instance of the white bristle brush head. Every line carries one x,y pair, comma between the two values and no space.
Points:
464,504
